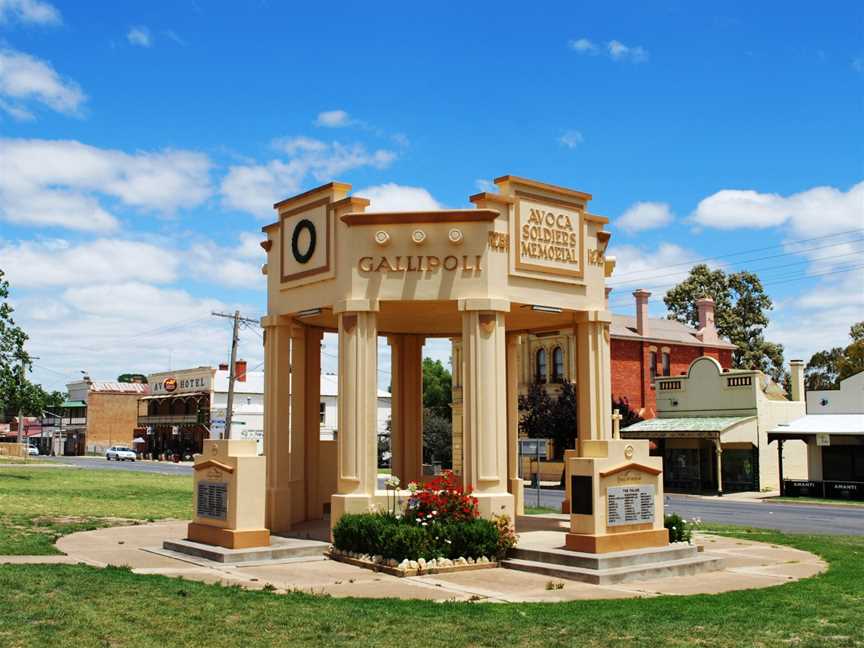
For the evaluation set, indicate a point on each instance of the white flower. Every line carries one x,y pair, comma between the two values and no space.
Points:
419,519
424,524
434,512
413,487
392,482
449,541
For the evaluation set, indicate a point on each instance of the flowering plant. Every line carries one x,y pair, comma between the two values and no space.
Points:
441,500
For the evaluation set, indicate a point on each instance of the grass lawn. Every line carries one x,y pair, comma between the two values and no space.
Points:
67,605
38,506
540,510
813,500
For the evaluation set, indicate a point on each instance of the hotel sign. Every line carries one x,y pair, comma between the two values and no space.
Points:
165,384
548,236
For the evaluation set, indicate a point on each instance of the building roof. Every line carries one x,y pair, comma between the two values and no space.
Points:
662,330
852,424
73,403
104,386
330,386
688,424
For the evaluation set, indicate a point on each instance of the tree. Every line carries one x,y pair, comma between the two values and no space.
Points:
543,417
628,416
14,360
740,314
826,369
437,388
132,378
437,413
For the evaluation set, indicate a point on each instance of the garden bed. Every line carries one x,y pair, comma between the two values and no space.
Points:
411,567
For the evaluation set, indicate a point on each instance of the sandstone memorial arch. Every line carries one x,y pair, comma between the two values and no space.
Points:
526,259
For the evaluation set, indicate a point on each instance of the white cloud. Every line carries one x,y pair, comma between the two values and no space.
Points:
486,185
621,52
109,329
615,49
656,269
255,187
229,266
25,79
35,264
583,45
821,210
53,182
571,139
32,12
645,215
333,119
392,197
139,35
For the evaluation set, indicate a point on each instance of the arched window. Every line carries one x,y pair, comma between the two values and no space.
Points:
557,365
541,366
667,364
652,364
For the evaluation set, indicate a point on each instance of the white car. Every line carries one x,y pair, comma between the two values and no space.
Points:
33,451
120,453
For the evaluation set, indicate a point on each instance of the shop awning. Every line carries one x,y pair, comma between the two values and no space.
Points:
849,425
696,426
71,403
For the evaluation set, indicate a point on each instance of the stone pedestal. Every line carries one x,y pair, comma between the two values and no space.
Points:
615,493
229,496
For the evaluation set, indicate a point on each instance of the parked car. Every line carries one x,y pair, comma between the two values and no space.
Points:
120,453
33,451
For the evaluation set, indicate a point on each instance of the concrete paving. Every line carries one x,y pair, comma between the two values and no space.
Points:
749,565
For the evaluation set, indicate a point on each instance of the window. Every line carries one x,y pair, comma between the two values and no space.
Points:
541,366
652,364
667,365
557,365
322,413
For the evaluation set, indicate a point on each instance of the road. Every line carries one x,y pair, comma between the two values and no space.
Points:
100,463
791,518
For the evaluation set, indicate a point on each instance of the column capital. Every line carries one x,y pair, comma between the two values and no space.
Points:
593,316
355,305
485,304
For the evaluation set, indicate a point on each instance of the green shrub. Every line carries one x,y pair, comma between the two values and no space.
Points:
470,539
391,537
679,531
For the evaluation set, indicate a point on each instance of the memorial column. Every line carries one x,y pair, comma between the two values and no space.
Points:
594,380
406,427
356,444
277,421
485,403
514,483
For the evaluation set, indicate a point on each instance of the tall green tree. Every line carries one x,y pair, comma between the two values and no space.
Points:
826,369
741,308
13,356
437,413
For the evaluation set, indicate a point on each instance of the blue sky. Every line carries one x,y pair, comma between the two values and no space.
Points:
143,144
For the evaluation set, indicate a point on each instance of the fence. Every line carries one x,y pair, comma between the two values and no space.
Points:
12,450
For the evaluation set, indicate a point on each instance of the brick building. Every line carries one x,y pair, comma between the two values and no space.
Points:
641,348
100,414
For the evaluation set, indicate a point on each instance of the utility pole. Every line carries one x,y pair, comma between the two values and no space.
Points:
25,449
232,371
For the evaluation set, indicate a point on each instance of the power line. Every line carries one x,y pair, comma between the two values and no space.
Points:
751,250
620,300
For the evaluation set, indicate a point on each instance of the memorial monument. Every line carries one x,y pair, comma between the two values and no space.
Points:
229,496
528,258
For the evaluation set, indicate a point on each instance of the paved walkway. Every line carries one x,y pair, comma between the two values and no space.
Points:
749,565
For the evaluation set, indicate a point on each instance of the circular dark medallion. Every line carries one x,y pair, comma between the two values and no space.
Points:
304,224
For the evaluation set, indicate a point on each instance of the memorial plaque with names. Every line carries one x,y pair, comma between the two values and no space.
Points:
213,500
630,505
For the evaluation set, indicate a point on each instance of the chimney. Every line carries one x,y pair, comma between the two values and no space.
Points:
608,290
642,296
707,331
240,370
796,368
